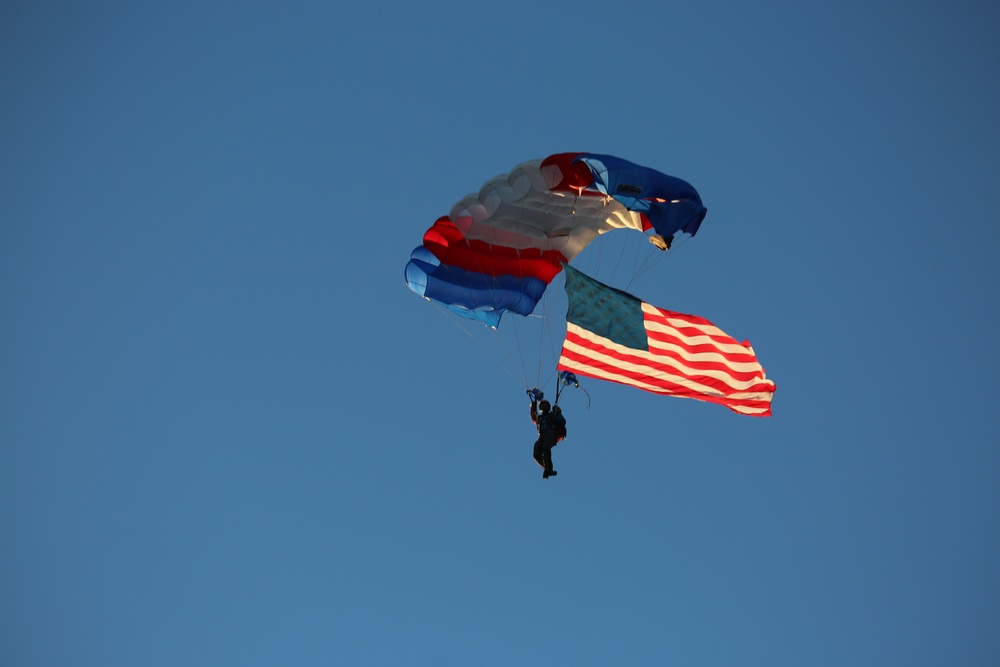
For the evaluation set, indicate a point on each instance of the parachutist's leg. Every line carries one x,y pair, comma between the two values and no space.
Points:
539,453
548,442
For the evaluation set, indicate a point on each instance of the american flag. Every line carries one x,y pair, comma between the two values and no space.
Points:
611,335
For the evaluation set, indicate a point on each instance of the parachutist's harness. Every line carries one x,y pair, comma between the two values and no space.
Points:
566,379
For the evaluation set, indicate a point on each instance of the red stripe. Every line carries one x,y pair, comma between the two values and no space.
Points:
700,327
662,385
763,406
705,348
674,360
449,245
691,319
655,367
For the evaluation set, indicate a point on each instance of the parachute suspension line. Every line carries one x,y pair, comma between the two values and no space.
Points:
554,325
621,255
510,323
546,334
485,348
607,255
521,346
523,336
648,257
563,323
643,264
639,258
654,259
507,367
542,331
522,364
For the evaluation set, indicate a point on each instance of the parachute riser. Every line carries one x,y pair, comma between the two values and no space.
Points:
566,378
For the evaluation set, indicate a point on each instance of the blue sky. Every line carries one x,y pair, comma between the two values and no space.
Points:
230,435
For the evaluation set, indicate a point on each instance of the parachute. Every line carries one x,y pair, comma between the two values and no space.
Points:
498,249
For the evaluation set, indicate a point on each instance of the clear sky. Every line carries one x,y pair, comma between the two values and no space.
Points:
229,435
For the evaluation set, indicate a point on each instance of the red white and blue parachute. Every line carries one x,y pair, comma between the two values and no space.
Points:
500,248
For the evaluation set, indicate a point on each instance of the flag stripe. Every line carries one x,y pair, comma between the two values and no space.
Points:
586,347
687,357
744,406
665,373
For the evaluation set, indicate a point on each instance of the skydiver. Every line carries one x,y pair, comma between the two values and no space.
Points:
551,427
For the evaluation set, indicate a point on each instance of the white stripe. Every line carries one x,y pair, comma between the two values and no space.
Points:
602,374
736,366
664,324
654,373
732,348
661,361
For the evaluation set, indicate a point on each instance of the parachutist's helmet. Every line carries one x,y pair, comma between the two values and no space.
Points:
544,406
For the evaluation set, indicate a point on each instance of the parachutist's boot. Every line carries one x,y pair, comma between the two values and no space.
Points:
549,473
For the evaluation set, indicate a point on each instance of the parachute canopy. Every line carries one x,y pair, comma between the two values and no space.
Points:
498,249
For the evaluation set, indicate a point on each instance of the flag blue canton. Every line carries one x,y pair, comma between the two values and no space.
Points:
605,311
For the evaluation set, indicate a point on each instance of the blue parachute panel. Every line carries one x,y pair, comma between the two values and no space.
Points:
469,294
671,204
